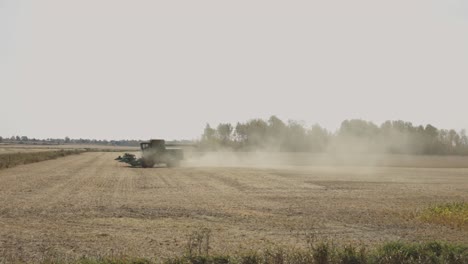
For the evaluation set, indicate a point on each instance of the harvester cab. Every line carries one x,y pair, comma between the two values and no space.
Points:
156,151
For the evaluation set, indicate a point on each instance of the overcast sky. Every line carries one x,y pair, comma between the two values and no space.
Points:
114,69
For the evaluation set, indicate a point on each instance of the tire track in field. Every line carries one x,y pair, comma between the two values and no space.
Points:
171,186
87,192
221,193
33,176
123,191
39,188
90,186
265,194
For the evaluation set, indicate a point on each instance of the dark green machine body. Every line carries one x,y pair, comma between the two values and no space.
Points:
157,152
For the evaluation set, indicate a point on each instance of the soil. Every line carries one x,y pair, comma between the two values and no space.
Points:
90,204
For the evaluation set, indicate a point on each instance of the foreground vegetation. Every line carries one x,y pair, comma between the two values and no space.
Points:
14,159
450,214
317,253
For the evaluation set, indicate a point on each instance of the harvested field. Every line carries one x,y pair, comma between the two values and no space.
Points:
10,150
10,160
89,204
14,148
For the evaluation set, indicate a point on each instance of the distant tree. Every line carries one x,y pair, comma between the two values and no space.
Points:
296,139
209,133
276,126
319,138
356,136
209,140
277,132
453,138
24,138
17,138
431,140
67,140
431,131
240,133
358,128
1,139
464,138
224,132
256,130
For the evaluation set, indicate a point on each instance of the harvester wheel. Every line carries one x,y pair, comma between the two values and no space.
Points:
147,164
173,163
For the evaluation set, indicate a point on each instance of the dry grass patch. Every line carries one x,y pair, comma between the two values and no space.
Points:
14,159
450,214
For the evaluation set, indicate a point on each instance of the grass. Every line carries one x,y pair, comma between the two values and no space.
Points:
111,150
319,253
14,159
453,214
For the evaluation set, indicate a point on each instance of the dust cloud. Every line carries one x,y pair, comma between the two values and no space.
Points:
344,157
261,159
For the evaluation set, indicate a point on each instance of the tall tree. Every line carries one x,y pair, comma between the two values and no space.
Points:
208,133
224,132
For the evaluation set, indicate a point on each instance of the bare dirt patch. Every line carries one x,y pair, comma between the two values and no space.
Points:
90,204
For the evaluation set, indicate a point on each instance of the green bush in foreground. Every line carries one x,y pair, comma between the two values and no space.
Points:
432,252
450,214
321,253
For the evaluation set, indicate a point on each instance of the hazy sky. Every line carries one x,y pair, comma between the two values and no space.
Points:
163,69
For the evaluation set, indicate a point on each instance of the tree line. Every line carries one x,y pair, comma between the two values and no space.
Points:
80,141
353,136
67,140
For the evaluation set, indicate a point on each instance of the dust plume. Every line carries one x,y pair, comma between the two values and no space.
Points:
331,158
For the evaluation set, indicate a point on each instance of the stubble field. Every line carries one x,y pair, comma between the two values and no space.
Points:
90,204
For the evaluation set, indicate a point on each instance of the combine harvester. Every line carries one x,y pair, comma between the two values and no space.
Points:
156,151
